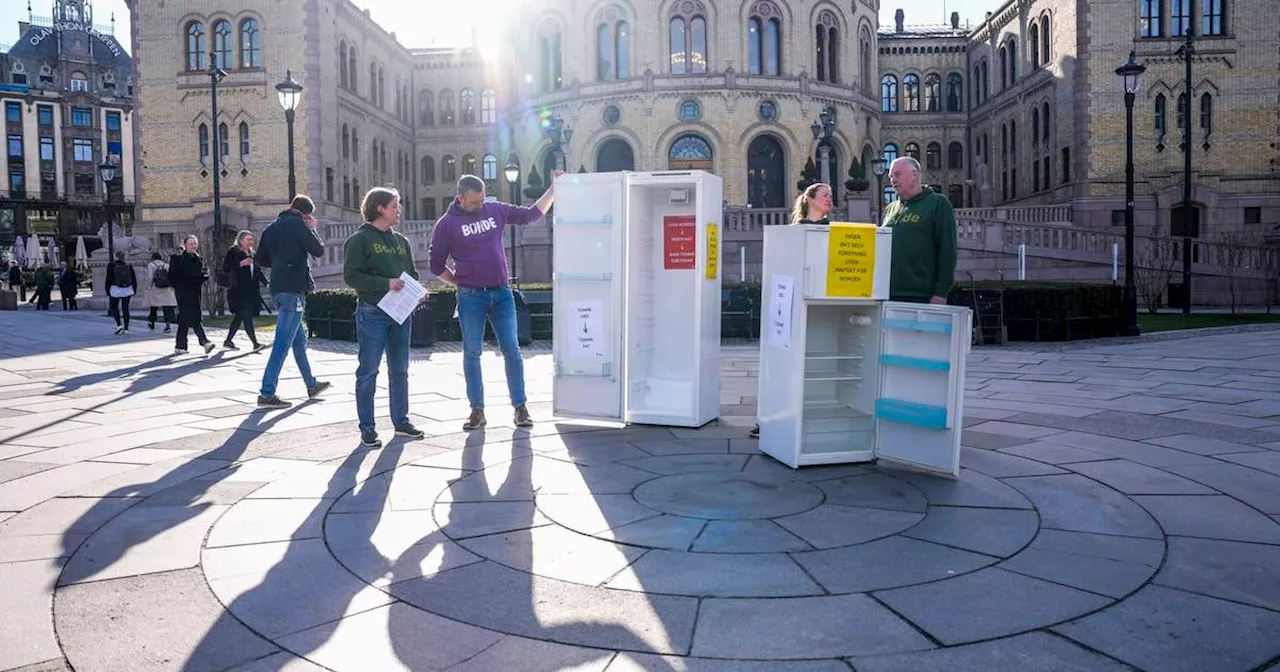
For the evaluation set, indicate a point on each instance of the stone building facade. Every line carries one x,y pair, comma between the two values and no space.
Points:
66,93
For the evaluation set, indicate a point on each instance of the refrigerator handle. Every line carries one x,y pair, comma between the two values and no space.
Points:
807,276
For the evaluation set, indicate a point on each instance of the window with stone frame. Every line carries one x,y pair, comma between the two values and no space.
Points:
764,39
613,44
827,41
687,37
195,47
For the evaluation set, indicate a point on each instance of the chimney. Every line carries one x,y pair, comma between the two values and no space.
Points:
955,20
898,18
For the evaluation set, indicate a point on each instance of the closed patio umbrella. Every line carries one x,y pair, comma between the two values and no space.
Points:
20,250
33,251
82,257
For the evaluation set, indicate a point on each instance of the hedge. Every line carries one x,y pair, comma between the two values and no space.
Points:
1050,311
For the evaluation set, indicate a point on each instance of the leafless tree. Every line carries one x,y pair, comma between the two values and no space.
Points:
1155,259
1239,252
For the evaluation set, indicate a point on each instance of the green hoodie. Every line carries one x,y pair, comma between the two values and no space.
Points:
924,247
372,257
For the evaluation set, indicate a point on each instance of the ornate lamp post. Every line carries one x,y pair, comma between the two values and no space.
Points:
107,171
560,135
878,166
823,129
1186,51
216,75
290,95
1130,74
512,173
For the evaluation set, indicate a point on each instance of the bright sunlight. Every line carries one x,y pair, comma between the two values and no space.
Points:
445,24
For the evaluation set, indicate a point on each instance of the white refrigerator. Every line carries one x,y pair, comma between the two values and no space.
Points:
846,375
636,280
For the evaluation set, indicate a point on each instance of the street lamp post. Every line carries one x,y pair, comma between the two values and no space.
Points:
823,129
878,166
559,134
107,171
290,92
1186,51
216,75
1130,74
512,174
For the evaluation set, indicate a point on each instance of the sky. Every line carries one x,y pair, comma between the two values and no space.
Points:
448,23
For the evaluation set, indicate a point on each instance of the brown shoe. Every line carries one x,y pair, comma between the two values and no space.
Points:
522,417
476,421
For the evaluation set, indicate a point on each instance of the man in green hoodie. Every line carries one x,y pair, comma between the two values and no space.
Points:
373,259
923,266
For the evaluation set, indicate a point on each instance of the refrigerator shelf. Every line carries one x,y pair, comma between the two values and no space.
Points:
832,356
942,328
918,363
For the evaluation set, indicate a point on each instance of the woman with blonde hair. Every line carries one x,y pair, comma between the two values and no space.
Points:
243,295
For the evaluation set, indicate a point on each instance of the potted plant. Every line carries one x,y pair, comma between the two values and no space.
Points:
857,181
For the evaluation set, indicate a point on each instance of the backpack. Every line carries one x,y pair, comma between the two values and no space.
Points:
160,278
121,276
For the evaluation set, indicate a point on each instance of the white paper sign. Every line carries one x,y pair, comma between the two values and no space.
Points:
586,329
781,289
400,304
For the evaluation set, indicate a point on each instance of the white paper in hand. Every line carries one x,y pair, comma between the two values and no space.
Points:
399,304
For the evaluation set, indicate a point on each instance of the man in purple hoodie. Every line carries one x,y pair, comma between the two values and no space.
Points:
470,233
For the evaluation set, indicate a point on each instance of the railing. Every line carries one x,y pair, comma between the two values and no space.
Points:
1034,214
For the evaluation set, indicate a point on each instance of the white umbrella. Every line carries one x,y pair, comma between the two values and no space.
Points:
53,253
33,251
82,257
20,251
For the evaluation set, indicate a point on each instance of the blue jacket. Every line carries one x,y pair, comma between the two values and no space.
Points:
284,248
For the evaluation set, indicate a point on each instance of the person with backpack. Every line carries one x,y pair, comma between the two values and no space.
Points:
123,285
159,293
188,274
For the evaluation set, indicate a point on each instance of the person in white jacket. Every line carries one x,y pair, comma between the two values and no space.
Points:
159,298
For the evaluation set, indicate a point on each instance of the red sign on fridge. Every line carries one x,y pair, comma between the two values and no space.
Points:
679,242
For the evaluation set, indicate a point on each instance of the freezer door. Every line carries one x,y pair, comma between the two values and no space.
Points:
920,398
587,279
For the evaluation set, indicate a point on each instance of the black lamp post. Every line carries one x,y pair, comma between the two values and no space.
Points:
878,166
290,95
1130,75
823,130
107,171
512,174
216,75
559,134
1186,51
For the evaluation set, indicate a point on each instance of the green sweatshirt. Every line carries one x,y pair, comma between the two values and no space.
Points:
924,247
372,257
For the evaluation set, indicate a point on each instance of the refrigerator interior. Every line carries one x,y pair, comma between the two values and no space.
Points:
842,342
662,362
916,358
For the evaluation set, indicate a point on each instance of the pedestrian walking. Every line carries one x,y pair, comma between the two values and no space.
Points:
244,278
45,280
159,295
123,284
188,275
68,286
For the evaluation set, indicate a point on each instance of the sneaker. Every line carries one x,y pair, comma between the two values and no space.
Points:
755,432
151,326
410,431
119,330
370,439
318,389
230,346
522,417
166,328
272,401
476,421
208,347
179,351
258,347
126,331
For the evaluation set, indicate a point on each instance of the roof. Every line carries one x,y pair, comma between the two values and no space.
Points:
918,32
39,44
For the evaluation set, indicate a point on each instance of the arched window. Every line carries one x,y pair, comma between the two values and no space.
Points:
342,64
222,44
428,170
955,92
203,134
467,105
888,93
469,165
382,87
1033,44
1160,113
427,108
764,39
1044,42
1206,114
911,93
488,107
224,141
353,75
1013,61
933,156
79,82
828,41
250,44
766,173
1035,126
550,58
1044,123
975,90
613,45
890,152
1004,68
446,107
449,169
986,81
490,167
615,155
244,139
195,46
689,152
932,93
1211,17
373,82
864,59
912,150
955,156
355,146
688,35
346,142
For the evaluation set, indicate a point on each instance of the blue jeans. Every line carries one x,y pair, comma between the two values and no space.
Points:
377,333
289,334
499,306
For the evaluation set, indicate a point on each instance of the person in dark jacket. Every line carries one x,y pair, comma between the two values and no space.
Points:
44,286
286,248
187,274
122,284
68,286
243,297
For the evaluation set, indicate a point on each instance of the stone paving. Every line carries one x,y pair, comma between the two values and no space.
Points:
1119,508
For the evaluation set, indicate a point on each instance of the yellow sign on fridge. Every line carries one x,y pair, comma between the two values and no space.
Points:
851,259
713,249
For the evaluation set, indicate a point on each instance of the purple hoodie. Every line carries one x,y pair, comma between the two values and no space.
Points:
474,240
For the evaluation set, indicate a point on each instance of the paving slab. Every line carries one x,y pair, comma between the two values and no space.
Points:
875,491
1002,465
142,540
715,575
626,661
1255,488
557,553
1211,517
30,490
887,563
1166,629
971,489
1075,503
1229,570
1131,478
26,613
830,526
994,532
1032,651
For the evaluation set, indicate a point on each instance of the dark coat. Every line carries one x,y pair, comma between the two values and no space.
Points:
286,247
68,282
245,283
187,274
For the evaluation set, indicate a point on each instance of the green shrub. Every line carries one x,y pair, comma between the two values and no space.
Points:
1051,311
